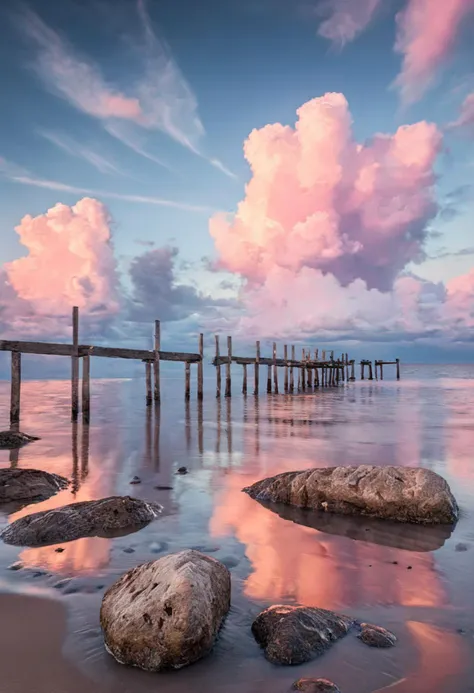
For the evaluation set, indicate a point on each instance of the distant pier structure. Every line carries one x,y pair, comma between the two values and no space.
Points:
311,370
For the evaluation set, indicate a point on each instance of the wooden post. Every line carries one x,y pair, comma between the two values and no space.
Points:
218,368
347,367
275,369
371,375
299,378
316,376
86,388
15,389
269,379
381,369
342,368
362,370
244,382
75,365
187,381
285,356
156,362
149,396
376,370
332,355
338,371
353,377
323,355
228,381
292,373
303,370
398,368
200,369
257,365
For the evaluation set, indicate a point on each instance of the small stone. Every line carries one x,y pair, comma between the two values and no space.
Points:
461,547
315,686
62,583
409,567
158,547
38,573
395,562
376,636
136,480
164,488
181,470
230,561
129,550
16,566
59,550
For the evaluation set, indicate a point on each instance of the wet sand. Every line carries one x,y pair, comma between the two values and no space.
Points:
32,633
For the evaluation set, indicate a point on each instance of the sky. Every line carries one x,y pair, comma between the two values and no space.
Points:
290,170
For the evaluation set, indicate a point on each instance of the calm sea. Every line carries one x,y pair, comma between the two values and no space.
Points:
415,581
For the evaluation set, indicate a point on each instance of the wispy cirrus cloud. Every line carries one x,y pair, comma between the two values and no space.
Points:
159,99
70,146
16,174
346,19
465,121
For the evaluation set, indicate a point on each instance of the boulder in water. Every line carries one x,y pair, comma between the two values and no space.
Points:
29,485
166,614
10,440
375,636
297,634
404,494
315,686
106,517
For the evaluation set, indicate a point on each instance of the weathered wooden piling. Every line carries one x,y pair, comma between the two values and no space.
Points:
200,369
156,362
15,389
228,376
285,356
275,370
218,368
257,367
244,380
75,365
303,370
269,379
86,388
187,380
381,369
353,377
371,374
397,361
347,367
292,374
362,370
149,392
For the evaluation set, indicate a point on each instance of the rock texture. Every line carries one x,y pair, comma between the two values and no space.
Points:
404,494
297,634
375,636
166,614
104,517
29,485
315,686
14,439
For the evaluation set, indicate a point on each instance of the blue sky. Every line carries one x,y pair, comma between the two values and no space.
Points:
228,67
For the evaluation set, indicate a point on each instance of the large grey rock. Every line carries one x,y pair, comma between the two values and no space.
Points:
29,485
404,494
14,439
105,517
166,614
297,634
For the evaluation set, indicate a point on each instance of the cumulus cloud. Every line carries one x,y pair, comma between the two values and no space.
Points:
425,38
319,199
347,19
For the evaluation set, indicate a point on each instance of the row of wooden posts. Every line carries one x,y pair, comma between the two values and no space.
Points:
314,369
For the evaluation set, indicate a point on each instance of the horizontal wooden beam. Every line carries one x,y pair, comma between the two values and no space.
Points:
52,349
246,361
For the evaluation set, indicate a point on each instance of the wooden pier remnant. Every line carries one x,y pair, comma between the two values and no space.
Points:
15,389
257,365
200,373
86,388
75,365
228,376
156,362
218,369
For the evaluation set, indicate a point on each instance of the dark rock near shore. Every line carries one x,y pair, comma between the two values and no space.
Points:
166,614
28,485
9,440
375,636
297,634
403,494
315,686
114,516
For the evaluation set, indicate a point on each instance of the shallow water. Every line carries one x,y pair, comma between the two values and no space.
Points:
415,581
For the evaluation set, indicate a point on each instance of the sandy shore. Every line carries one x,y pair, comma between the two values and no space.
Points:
31,638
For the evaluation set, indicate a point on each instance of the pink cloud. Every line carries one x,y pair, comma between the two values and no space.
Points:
466,117
70,261
319,199
347,19
426,36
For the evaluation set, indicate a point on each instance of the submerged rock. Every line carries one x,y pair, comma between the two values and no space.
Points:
167,613
315,686
105,517
404,494
375,636
297,634
14,439
29,485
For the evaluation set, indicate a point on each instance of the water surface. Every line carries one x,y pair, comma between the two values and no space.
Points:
415,581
